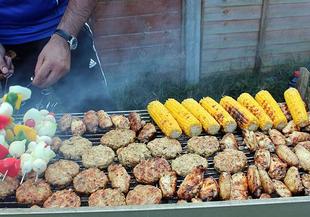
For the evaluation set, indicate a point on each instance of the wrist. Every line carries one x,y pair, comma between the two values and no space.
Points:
61,40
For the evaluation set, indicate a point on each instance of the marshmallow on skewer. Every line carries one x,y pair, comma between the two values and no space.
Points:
17,148
39,166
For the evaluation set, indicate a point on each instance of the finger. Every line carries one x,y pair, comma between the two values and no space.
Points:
52,78
3,67
42,74
10,65
39,63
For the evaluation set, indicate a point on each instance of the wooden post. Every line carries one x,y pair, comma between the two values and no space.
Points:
303,85
192,39
261,36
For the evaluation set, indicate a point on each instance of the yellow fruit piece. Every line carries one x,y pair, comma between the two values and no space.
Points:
18,101
9,135
29,132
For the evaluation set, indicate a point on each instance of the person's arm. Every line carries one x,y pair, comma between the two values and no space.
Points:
55,58
6,65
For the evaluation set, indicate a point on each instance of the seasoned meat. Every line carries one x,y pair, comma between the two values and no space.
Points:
262,158
287,155
104,119
64,123
277,137
305,178
229,142
150,170
266,181
119,177
61,172
78,127
297,137
35,207
225,186
209,189
91,121
182,201
165,147
290,128
187,162
132,154
31,192
264,142
147,133
118,138
75,147
56,143
250,140
168,184
63,199
277,169
120,122
98,156
192,183
143,195
303,157
135,121
285,110
265,196
305,144
230,160
281,189
293,181
90,180
254,182
8,186
196,200
239,187
107,197
203,145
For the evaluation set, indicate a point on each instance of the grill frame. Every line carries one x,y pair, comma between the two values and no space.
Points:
168,207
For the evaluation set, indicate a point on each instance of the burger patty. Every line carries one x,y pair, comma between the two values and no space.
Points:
90,180
150,171
107,197
75,147
143,195
203,145
119,177
165,147
185,163
118,138
230,160
63,199
8,186
98,156
61,172
31,192
132,154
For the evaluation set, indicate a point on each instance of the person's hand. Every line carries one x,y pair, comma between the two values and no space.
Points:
53,62
6,65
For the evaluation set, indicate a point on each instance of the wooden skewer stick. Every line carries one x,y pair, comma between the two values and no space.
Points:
3,178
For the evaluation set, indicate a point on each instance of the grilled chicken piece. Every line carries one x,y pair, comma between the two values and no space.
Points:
192,183
262,158
265,196
264,142
229,142
277,169
290,128
147,133
120,122
254,183
56,143
78,127
209,189
250,140
297,137
104,119
281,189
277,137
305,144
119,177
196,200
303,156
225,185
182,201
168,184
287,155
285,110
305,178
65,122
239,187
266,181
135,121
91,121
292,180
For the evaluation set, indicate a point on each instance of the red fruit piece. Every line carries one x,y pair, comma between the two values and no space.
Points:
4,121
14,169
3,151
30,123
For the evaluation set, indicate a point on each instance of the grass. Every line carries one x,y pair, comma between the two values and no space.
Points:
136,94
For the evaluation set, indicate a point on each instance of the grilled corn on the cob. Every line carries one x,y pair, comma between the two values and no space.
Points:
271,107
219,113
209,124
265,122
296,107
188,123
245,119
164,119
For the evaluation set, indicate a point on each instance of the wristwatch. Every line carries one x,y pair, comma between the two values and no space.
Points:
72,41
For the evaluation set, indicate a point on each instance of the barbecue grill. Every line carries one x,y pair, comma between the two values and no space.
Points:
255,207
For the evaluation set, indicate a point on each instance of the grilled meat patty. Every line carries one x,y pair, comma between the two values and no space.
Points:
63,199
118,138
56,143
230,160
75,147
8,186
64,123
107,197
203,145
165,147
119,177
98,156
132,154
91,121
143,195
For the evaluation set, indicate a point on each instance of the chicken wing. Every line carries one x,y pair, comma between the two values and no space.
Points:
254,182
239,187
292,180
209,189
277,169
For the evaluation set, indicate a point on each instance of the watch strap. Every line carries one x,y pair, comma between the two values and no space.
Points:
63,34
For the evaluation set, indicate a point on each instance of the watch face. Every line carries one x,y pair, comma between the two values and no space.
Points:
73,43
